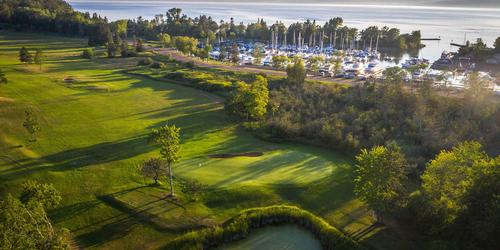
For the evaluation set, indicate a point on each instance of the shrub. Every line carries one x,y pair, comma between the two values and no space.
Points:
88,53
200,80
243,224
130,54
157,65
145,61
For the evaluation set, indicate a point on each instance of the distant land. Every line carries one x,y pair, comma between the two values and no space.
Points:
443,3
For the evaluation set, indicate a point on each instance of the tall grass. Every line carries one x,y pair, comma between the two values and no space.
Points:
242,225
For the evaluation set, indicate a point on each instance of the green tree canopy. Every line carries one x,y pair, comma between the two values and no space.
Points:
31,124
153,168
45,194
27,226
380,177
449,177
165,40
25,56
186,45
497,44
3,78
296,72
168,138
249,100
39,58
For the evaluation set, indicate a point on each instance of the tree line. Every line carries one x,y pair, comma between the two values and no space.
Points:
58,16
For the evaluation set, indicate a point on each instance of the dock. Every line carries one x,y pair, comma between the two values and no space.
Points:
458,45
430,39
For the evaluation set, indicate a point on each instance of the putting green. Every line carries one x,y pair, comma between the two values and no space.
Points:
286,165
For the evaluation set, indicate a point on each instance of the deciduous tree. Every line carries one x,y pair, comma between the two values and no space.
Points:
168,138
296,72
31,124
153,168
39,58
380,177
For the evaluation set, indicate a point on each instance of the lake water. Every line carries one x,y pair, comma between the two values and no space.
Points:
450,24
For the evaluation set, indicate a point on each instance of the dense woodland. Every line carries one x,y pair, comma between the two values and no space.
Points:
348,119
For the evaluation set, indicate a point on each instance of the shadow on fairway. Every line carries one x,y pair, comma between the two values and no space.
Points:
146,214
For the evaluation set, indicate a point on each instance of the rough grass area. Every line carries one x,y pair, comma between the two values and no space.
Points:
94,135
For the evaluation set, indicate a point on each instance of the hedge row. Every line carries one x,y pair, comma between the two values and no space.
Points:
243,224
199,80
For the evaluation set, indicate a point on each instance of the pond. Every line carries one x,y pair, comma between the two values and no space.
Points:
287,237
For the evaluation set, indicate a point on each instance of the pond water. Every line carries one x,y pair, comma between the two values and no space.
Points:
287,237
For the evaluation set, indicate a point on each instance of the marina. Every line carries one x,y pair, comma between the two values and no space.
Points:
449,71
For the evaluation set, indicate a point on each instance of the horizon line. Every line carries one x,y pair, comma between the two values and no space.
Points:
374,6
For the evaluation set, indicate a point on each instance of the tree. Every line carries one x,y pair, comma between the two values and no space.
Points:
139,47
449,177
31,124
27,226
235,53
25,56
111,47
153,168
315,62
257,53
45,194
124,49
205,52
186,45
296,73
88,53
168,138
165,40
222,53
337,66
39,58
477,226
249,100
380,177
3,78
497,44
280,62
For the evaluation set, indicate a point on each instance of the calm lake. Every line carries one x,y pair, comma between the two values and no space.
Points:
450,24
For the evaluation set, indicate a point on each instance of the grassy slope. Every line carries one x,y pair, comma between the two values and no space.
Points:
93,136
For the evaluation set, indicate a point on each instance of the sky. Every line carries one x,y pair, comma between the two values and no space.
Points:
451,3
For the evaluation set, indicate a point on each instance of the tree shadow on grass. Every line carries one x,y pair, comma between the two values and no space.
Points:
148,214
82,157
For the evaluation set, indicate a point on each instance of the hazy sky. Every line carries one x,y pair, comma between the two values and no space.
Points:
454,3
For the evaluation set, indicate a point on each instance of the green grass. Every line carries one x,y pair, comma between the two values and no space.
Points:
94,135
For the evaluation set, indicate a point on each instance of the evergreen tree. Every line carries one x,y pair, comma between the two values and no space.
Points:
25,56
3,78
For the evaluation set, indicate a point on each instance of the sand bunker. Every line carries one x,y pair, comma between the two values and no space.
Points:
248,154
